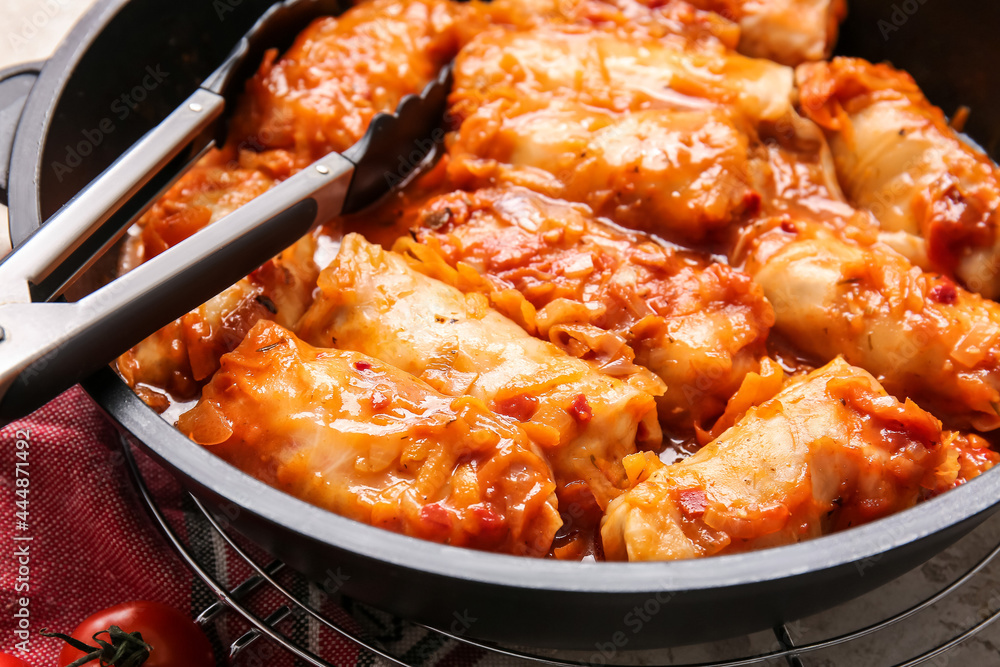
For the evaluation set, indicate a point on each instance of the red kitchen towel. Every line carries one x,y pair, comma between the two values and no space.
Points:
77,540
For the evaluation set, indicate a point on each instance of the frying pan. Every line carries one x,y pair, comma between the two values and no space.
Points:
65,120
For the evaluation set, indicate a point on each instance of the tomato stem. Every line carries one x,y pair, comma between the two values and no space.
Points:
126,649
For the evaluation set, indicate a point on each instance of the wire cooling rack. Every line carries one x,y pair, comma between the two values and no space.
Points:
960,593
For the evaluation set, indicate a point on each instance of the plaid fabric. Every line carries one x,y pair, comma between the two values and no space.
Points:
90,544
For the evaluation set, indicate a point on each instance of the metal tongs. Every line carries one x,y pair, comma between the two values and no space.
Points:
46,346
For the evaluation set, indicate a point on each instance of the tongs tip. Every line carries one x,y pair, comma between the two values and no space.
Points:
380,156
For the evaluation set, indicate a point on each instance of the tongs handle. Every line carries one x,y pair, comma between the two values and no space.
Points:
47,347
70,241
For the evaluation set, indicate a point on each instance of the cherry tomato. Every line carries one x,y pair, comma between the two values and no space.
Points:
175,640
11,661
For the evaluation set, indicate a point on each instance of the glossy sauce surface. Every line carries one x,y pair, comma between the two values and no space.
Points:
370,442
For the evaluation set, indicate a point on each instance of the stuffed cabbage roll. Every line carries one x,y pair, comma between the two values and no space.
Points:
675,21
831,450
320,95
358,437
923,336
601,293
652,135
612,71
372,302
897,157
681,174
787,31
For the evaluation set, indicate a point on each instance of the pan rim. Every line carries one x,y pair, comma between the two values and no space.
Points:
854,546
